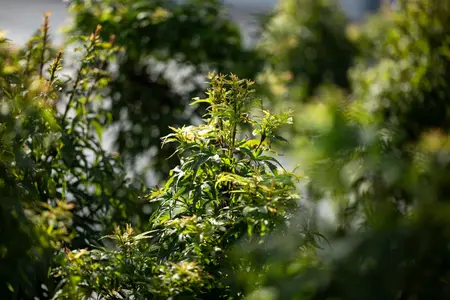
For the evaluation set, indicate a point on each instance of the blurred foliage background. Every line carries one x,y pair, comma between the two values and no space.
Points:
361,109
169,47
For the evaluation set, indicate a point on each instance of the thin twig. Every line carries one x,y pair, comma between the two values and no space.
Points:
89,49
44,43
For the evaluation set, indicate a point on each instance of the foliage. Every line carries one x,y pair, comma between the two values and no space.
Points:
225,189
30,229
305,44
169,46
58,187
228,223
380,160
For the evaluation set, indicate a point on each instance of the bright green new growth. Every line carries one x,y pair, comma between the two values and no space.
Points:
226,188
223,173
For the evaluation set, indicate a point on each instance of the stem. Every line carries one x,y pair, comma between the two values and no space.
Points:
55,66
53,69
72,96
96,79
93,38
263,138
44,44
78,79
102,67
27,65
234,131
234,128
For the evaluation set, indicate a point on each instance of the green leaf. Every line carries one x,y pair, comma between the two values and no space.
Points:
51,185
144,235
10,287
280,138
269,158
98,128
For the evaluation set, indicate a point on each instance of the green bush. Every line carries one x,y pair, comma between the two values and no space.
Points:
225,189
58,187
379,157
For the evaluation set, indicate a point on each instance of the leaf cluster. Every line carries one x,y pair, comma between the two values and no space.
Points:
304,44
377,157
58,186
225,189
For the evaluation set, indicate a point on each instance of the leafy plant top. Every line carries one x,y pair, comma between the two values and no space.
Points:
225,188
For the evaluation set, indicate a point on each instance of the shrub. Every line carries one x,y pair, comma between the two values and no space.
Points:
380,160
225,189
58,187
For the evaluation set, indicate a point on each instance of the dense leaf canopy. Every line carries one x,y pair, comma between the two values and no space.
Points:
363,216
